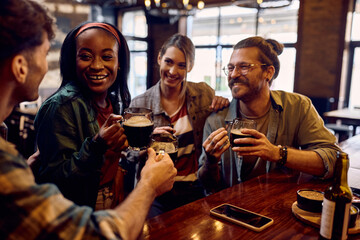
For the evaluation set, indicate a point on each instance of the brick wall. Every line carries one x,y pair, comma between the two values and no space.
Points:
320,47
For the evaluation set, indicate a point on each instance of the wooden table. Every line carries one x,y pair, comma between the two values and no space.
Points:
352,147
346,116
271,195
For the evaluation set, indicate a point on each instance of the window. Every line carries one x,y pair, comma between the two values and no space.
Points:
354,61
134,24
285,79
138,67
215,30
354,100
355,33
204,27
236,23
134,28
205,59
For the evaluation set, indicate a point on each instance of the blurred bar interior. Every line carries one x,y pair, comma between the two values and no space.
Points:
321,58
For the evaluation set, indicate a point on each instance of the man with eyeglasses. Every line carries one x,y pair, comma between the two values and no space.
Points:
290,133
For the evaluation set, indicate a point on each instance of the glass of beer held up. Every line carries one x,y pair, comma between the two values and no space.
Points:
235,131
166,142
138,125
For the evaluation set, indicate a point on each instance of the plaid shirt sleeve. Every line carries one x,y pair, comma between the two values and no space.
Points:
31,211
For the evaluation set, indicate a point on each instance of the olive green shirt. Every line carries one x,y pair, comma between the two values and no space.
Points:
293,122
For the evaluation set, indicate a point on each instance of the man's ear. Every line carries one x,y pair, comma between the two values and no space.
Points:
270,72
20,68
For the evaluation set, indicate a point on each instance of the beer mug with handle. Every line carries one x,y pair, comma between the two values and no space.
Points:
138,124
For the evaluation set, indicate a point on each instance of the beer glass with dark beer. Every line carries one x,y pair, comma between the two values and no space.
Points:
235,131
138,125
165,142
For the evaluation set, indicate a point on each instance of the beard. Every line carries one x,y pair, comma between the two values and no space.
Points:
30,91
244,83
247,90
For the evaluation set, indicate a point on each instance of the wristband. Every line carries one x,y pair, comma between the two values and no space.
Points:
283,155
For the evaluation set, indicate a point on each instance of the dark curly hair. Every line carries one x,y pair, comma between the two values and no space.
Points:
270,49
68,65
22,24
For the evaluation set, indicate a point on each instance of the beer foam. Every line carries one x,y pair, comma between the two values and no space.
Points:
168,147
138,121
237,131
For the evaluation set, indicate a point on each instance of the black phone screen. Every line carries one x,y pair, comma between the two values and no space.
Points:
242,215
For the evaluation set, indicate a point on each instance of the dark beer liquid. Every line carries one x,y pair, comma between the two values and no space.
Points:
173,155
138,135
337,202
236,133
168,147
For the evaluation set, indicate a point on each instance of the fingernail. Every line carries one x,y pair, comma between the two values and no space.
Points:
159,157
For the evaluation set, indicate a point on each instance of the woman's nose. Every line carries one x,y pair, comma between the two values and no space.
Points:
173,70
97,64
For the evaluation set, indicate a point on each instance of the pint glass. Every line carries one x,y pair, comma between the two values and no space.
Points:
235,131
165,142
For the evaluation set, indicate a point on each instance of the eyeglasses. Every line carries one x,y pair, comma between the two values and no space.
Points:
244,68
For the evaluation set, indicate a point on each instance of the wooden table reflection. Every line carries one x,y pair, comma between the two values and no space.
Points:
271,195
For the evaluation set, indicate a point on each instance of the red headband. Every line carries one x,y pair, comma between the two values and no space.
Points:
100,25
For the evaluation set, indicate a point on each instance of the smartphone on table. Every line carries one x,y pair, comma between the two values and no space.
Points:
243,217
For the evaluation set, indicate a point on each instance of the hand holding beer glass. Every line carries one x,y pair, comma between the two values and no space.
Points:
235,131
138,125
165,143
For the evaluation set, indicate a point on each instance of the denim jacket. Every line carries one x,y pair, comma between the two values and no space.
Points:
198,99
293,122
